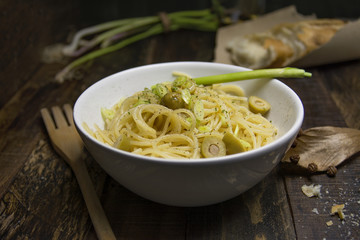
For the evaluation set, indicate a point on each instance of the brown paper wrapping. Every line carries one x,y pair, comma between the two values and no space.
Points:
344,46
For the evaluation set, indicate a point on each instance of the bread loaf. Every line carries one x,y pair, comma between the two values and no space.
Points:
283,44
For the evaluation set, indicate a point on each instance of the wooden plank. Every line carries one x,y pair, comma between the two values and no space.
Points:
23,77
39,196
318,106
260,213
134,217
18,125
19,117
343,84
30,26
41,200
312,214
182,46
25,37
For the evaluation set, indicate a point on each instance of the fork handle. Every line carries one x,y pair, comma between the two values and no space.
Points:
101,224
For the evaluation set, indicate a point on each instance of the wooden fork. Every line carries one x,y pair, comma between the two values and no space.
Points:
67,142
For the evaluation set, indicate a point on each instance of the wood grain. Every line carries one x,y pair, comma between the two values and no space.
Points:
322,109
39,195
343,85
41,205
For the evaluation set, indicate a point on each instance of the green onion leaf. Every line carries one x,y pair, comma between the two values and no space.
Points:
107,114
186,95
159,89
199,110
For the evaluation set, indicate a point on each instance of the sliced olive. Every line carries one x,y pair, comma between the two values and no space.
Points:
235,144
172,100
258,105
213,147
123,143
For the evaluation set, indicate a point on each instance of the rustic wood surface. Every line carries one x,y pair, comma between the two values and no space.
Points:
39,195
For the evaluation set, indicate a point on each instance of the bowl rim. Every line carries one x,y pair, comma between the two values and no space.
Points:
224,159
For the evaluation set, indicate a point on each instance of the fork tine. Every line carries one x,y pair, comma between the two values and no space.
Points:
49,123
68,112
59,118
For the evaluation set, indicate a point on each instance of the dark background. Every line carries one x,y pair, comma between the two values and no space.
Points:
324,9
27,27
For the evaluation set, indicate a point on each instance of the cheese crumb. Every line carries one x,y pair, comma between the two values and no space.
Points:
315,210
338,209
311,190
329,223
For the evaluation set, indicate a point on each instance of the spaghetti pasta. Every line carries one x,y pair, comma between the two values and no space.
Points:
172,119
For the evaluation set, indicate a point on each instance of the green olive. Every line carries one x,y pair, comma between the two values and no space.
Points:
123,143
258,105
235,144
172,100
213,147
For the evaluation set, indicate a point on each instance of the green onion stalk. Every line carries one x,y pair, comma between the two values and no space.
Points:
287,72
114,35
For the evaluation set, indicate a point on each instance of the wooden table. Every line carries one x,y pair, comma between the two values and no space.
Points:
39,195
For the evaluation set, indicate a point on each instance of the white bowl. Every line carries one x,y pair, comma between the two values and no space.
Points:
194,182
